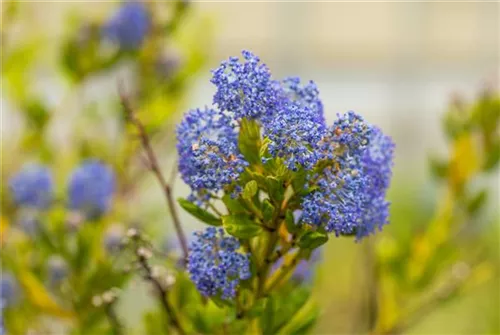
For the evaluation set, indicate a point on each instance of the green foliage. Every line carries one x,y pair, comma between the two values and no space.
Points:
241,226
199,213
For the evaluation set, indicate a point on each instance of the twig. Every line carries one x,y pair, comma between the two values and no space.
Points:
161,291
154,167
113,319
282,272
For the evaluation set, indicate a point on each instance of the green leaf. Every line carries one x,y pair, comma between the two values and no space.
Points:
275,188
299,180
249,141
241,226
250,190
220,302
477,202
438,168
233,205
267,210
267,318
492,157
313,239
291,226
199,213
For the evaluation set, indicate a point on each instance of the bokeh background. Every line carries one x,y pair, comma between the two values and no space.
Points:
399,64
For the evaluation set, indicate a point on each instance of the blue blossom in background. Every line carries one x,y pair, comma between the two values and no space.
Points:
128,26
294,134
304,271
91,188
8,288
57,270
27,220
207,143
215,265
113,238
245,88
32,186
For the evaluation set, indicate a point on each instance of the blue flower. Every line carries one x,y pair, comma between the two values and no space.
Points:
207,143
28,222
294,134
304,271
8,288
128,26
57,270
349,195
113,238
215,265
91,188
245,89
306,95
377,162
32,186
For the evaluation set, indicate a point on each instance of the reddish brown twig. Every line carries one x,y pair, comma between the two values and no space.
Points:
154,167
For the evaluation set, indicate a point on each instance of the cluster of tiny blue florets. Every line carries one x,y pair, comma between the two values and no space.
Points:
207,142
349,163
349,197
91,188
32,187
294,134
377,161
245,89
128,26
215,265
306,95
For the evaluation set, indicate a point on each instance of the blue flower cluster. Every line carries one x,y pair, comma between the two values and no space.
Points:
348,163
215,265
306,95
291,115
349,197
32,187
90,191
207,142
294,134
57,270
128,26
8,295
245,89
91,188
8,288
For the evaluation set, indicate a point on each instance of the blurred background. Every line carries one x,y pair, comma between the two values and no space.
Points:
399,64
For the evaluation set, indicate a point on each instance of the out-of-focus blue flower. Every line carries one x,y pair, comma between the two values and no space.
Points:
32,186
8,288
113,238
352,187
129,25
245,88
215,265
207,144
294,134
304,271
57,270
27,220
91,188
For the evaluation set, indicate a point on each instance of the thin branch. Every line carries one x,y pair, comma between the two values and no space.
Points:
282,272
154,167
113,320
162,292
